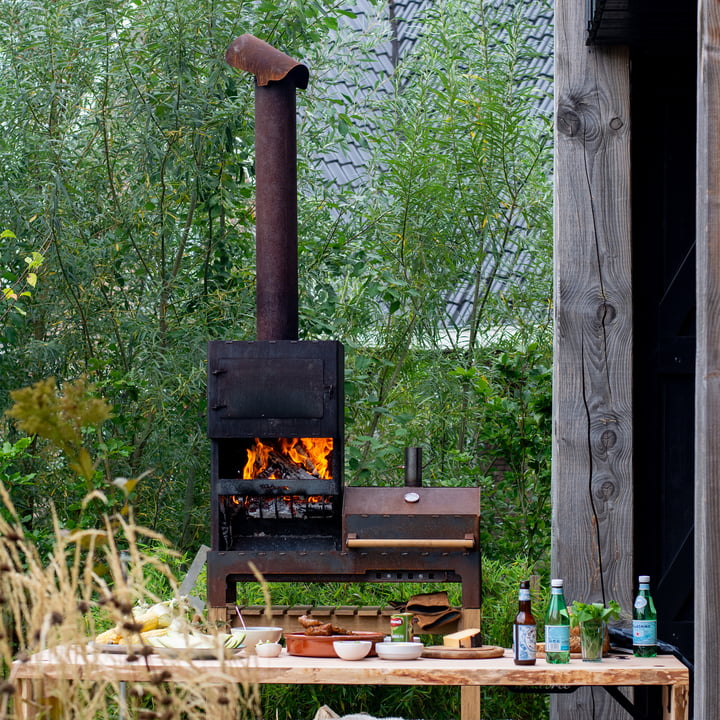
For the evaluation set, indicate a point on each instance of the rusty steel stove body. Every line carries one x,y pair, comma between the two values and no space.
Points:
291,517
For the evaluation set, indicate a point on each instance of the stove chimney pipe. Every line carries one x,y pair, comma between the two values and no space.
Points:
276,78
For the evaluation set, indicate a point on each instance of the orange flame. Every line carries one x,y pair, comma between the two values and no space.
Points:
310,454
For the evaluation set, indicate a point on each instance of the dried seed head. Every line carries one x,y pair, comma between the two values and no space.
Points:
132,627
132,657
166,700
161,677
145,650
12,536
56,618
223,700
7,688
5,567
83,606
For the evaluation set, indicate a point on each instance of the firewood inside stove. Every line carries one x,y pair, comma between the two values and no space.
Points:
281,467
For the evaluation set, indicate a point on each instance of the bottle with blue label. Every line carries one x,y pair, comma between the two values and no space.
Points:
524,629
557,626
644,621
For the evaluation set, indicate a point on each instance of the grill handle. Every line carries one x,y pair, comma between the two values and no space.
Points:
466,543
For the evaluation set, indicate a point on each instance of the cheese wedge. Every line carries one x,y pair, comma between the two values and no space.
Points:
463,638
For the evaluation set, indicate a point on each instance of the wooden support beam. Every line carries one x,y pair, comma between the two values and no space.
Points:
592,483
707,377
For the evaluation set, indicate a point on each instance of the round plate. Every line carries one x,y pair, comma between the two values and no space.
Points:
116,649
486,651
196,653
322,645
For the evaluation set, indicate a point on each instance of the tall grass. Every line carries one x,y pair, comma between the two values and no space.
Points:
57,604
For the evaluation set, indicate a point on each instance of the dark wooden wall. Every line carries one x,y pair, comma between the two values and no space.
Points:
662,84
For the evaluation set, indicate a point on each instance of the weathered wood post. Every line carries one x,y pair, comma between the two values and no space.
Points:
592,389
707,373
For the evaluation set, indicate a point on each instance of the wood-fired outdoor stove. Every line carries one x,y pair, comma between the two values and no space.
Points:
279,503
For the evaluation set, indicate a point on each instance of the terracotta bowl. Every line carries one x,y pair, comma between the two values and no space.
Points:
322,645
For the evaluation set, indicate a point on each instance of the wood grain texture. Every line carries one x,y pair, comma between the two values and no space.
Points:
78,664
707,391
615,670
592,383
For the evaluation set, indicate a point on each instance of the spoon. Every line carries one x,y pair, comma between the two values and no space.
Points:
237,610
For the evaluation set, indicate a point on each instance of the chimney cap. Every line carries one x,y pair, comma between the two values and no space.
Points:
265,62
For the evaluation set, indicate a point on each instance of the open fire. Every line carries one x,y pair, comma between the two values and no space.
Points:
289,458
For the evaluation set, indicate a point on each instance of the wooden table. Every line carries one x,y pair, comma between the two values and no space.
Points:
613,672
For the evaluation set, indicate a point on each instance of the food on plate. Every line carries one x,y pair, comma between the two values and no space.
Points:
147,622
313,626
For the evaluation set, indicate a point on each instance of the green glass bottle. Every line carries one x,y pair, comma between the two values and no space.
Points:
557,626
644,621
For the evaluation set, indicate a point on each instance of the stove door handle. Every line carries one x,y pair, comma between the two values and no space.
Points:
466,543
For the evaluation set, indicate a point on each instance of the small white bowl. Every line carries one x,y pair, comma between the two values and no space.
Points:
253,635
268,649
399,650
352,649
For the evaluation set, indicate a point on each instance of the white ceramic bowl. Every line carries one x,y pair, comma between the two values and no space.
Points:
253,635
268,649
352,649
399,650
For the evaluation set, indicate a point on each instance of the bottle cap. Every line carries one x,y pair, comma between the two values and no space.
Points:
556,582
644,579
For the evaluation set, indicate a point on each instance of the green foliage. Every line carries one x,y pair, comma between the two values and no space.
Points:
593,612
128,197
127,149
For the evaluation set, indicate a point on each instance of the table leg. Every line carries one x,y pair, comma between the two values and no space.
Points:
676,701
23,700
470,695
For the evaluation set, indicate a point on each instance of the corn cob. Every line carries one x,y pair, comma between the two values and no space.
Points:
109,637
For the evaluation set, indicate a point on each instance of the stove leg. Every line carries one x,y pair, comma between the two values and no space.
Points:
470,694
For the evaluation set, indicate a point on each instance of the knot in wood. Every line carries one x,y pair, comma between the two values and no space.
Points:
578,117
605,489
606,313
608,439
616,123
569,121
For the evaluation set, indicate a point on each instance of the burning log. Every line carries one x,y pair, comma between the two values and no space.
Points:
286,460
280,467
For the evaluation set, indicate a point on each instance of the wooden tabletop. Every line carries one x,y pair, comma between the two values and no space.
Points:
616,670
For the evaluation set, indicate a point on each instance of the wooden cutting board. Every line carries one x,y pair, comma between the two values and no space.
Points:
485,651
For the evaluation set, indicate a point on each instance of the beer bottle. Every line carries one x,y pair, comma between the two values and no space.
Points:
524,630
557,626
644,623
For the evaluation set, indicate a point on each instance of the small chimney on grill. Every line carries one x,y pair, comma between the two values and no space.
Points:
276,78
